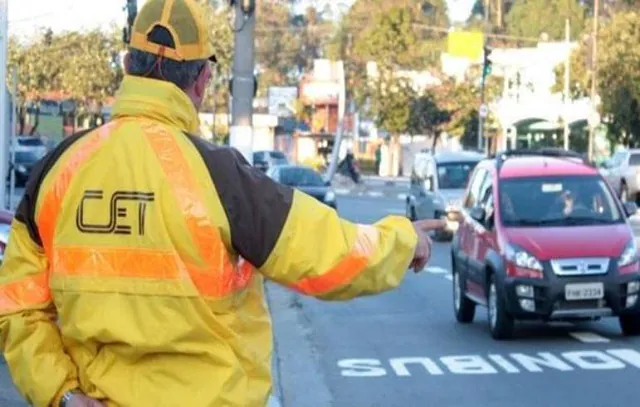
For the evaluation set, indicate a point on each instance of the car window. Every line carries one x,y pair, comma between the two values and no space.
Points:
258,157
31,142
634,160
557,201
277,155
474,188
454,175
618,159
300,177
421,168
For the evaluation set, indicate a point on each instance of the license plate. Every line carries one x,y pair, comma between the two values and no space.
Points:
586,291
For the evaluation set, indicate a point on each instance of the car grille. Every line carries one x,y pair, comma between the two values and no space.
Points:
588,266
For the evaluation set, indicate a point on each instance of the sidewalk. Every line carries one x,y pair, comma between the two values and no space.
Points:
371,186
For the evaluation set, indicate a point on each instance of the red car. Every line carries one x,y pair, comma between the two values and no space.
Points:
6,217
543,237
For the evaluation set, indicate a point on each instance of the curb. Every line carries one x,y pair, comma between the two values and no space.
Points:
370,193
276,393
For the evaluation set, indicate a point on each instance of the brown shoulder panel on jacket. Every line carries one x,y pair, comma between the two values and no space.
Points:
26,211
256,206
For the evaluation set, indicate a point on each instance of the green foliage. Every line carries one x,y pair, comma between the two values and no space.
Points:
391,100
532,18
618,80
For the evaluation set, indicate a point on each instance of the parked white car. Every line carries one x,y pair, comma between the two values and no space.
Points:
622,172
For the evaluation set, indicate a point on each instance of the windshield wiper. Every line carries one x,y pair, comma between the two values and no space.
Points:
569,221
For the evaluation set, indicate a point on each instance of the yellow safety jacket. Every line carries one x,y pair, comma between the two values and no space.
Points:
135,264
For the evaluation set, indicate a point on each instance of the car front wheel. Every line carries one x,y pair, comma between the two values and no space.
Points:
501,324
464,308
630,324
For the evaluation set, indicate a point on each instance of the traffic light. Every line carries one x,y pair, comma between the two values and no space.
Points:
487,65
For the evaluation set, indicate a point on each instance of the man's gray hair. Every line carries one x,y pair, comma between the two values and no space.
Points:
182,74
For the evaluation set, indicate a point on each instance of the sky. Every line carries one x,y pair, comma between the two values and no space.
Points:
26,16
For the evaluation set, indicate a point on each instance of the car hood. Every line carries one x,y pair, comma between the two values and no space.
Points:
568,242
450,197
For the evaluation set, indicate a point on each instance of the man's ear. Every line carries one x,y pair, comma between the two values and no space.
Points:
127,62
202,81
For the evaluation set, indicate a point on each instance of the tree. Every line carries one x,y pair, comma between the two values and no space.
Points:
428,116
276,44
532,18
428,21
618,78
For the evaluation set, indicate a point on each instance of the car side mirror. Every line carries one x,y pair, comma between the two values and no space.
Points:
478,214
630,208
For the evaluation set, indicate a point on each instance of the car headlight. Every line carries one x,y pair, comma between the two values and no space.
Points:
629,254
330,196
522,259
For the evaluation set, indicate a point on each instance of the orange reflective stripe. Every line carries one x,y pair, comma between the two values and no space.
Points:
24,294
348,269
50,207
340,275
218,276
117,262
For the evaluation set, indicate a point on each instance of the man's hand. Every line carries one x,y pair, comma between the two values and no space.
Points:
423,248
80,400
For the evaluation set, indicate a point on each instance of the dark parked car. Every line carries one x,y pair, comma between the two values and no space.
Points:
543,237
267,159
25,161
306,180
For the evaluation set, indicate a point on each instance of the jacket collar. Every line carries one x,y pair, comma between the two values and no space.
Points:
156,100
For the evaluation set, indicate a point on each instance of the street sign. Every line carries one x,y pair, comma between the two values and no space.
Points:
484,111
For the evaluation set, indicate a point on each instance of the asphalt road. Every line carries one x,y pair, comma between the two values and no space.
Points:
404,348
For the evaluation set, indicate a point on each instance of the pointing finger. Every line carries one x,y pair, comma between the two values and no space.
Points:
427,225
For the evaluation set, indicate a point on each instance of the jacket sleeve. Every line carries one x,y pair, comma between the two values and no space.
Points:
299,242
29,336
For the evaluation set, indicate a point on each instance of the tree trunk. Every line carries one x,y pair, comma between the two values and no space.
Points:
36,121
436,137
499,12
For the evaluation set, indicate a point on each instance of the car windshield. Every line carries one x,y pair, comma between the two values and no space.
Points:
277,157
454,175
557,201
300,177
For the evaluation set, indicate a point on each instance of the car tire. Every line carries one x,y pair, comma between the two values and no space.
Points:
501,324
463,308
630,324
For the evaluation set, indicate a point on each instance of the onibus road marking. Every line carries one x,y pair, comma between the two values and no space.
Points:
589,337
512,363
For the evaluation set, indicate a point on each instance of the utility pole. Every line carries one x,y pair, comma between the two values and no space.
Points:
5,102
486,52
132,11
243,85
567,79
594,75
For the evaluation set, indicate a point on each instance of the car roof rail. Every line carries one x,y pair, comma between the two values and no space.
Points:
503,156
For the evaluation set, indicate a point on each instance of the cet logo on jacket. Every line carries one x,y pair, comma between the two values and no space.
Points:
116,208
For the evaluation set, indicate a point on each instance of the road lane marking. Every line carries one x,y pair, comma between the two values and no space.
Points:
402,197
513,363
448,277
589,337
342,191
375,194
436,270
